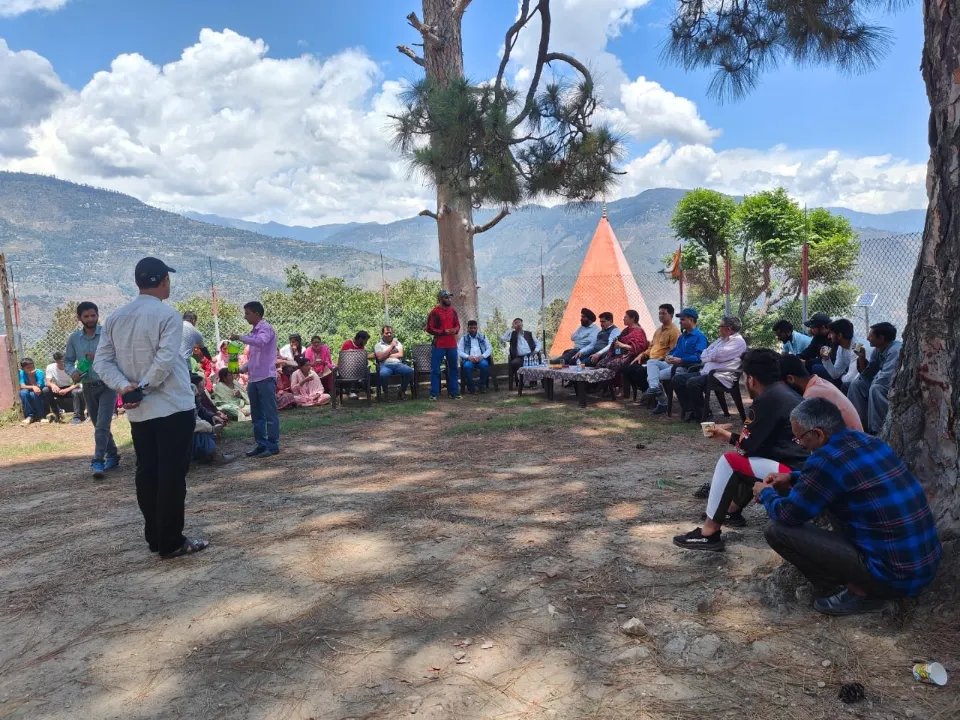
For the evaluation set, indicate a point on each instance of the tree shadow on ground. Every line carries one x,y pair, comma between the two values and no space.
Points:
395,568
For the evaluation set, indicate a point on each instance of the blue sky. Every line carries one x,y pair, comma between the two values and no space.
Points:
830,138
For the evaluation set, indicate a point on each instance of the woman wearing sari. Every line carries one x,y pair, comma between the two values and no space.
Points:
306,385
230,398
630,343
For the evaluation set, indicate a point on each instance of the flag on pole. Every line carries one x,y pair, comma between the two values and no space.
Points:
676,271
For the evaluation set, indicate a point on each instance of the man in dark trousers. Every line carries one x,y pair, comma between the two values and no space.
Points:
139,357
521,344
443,324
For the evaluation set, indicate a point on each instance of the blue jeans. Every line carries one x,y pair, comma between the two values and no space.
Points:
483,366
453,372
404,371
101,407
263,413
32,404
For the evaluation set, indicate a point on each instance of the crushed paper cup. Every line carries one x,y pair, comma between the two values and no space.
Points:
933,673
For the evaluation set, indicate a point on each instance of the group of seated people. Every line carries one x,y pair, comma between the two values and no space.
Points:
685,359
47,395
803,455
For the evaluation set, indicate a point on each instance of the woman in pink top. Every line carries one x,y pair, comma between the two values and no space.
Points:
318,353
306,386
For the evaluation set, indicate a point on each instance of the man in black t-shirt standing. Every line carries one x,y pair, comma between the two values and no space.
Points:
764,445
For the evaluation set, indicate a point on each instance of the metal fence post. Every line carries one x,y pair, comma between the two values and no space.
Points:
726,283
804,278
10,349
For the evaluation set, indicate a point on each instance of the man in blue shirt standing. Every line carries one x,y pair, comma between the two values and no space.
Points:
685,353
884,543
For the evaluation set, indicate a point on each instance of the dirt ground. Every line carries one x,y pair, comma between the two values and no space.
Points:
457,560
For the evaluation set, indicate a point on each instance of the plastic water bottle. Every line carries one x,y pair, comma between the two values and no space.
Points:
579,365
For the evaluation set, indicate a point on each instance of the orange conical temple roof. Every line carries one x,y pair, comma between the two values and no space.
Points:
605,283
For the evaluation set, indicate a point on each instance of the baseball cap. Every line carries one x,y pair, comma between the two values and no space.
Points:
444,293
690,313
151,270
818,320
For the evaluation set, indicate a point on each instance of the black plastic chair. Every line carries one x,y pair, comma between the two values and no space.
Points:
353,372
721,391
667,385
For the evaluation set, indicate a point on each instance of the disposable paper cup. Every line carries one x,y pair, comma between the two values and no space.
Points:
930,673
708,428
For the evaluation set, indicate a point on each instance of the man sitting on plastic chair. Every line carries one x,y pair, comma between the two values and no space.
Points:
475,352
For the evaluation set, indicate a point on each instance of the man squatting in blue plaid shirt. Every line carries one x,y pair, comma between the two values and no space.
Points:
884,544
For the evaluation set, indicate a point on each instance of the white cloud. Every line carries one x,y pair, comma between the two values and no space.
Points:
877,184
11,8
29,88
649,112
642,108
226,129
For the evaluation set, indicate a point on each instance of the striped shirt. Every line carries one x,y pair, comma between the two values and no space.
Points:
860,480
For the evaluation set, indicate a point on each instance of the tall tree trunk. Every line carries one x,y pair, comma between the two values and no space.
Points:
443,59
923,421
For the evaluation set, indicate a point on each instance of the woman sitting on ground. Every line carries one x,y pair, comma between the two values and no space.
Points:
230,398
306,385
285,397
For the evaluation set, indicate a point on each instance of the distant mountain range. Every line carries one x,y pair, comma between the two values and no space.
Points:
67,241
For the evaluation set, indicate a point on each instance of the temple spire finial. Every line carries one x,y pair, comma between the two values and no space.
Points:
603,213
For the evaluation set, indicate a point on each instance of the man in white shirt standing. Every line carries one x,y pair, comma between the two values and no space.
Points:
139,357
475,352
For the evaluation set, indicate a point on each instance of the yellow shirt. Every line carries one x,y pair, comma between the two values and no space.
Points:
663,342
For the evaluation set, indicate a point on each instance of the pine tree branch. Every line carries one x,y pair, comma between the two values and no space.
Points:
572,62
428,213
511,39
477,229
544,9
459,7
405,50
427,31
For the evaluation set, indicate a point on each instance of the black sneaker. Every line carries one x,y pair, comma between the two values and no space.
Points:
732,520
256,452
846,603
659,410
702,492
696,540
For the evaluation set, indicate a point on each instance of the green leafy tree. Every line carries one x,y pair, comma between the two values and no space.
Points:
762,240
494,329
552,317
63,323
739,40
705,218
492,144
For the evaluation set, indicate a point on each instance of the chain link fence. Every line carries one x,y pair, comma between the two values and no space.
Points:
335,310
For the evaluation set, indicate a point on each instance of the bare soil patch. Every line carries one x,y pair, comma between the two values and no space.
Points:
475,560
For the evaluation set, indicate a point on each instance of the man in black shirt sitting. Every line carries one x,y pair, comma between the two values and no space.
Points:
764,445
819,324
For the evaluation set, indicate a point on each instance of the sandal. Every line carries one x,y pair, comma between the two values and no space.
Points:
189,546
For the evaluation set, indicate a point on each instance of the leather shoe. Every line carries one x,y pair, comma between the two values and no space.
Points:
255,452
